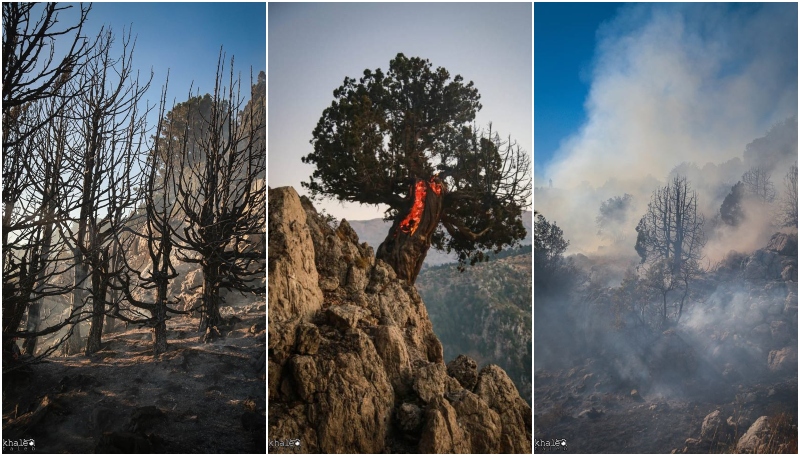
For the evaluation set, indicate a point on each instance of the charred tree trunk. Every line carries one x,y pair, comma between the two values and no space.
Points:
160,314
210,317
99,289
408,241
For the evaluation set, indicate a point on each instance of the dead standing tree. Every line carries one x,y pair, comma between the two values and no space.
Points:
670,239
110,140
160,210
37,90
222,197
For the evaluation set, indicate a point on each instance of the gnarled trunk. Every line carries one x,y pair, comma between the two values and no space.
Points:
410,237
210,313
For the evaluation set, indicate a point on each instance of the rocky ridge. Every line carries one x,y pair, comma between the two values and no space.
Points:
354,365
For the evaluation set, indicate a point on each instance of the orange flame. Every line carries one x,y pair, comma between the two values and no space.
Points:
411,222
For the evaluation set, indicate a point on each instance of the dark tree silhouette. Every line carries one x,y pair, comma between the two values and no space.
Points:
37,91
111,137
613,214
670,239
223,197
404,139
156,230
758,183
731,211
789,199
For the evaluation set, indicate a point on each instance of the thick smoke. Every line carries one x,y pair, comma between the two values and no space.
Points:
675,84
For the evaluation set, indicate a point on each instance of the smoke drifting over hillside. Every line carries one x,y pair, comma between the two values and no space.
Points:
674,84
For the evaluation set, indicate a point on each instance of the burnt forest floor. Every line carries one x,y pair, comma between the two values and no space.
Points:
594,413
196,398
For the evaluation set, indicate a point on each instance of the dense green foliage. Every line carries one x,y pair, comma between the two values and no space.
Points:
384,131
484,313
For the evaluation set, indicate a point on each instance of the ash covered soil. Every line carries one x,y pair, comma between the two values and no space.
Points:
595,413
195,398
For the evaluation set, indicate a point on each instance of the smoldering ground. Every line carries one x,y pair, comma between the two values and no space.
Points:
707,92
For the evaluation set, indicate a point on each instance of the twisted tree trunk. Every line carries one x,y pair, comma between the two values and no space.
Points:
407,243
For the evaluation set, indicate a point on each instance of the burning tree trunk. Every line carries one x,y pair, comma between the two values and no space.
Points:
410,238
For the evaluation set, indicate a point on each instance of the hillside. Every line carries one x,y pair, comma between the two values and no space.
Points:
374,231
354,363
484,312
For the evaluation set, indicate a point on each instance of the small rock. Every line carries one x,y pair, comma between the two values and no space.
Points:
592,413
409,416
465,370
635,396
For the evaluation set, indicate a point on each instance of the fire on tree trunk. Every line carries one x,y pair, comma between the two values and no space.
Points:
410,238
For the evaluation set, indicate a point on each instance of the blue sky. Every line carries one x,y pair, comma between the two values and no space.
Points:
312,47
185,38
564,43
636,89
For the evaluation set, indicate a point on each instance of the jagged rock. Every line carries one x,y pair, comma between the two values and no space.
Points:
780,332
484,424
783,244
328,283
345,316
442,433
763,265
754,440
432,381
782,360
465,370
714,428
351,375
307,339
293,279
409,417
391,348
499,392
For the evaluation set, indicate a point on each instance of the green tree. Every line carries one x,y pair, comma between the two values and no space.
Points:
405,139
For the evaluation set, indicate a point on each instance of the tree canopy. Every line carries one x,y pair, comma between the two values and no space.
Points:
384,132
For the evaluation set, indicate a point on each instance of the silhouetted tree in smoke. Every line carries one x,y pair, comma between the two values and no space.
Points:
670,239
757,182
789,199
613,214
404,139
731,211
551,270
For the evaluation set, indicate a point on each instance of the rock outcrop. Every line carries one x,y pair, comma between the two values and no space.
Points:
354,364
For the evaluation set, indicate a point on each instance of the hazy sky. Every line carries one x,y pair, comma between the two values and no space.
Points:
564,39
666,83
186,38
312,47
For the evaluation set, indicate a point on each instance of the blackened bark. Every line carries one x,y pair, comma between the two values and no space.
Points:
99,290
210,316
160,314
408,241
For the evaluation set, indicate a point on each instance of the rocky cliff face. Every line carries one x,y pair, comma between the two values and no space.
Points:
354,365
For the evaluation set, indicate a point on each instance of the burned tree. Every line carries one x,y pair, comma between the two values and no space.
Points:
37,92
221,194
405,139
757,183
112,131
159,212
789,200
669,241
